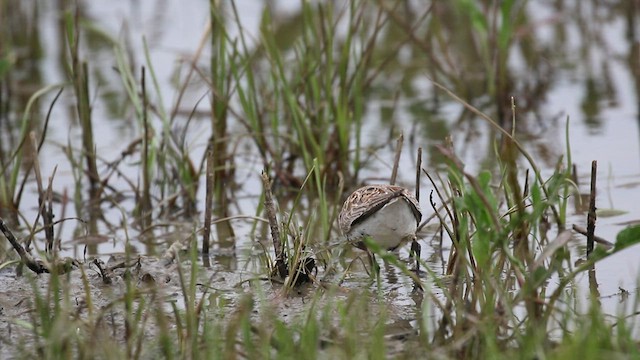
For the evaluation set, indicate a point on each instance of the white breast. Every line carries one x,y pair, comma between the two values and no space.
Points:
389,226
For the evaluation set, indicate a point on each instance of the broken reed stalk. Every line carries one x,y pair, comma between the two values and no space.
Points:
88,142
396,160
281,265
591,217
209,190
415,247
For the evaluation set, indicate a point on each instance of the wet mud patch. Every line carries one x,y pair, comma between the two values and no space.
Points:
98,297
106,303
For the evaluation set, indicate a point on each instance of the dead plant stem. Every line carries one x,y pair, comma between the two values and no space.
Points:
591,217
281,265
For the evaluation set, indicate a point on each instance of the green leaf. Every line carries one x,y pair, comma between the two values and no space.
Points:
627,237
610,212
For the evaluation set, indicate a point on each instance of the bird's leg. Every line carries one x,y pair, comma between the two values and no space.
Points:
415,252
375,268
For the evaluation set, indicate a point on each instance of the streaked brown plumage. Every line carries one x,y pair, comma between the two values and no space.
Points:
388,214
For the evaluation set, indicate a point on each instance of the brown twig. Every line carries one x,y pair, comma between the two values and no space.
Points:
591,217
208,201
103,272
48,218
580,230
444,206
33,264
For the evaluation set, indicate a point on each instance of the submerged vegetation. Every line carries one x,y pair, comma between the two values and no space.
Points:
315,102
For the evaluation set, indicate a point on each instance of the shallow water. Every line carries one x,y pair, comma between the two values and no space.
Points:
595,86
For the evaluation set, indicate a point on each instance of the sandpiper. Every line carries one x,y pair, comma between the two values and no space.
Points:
388,214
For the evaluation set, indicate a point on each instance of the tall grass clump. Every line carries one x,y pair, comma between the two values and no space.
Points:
167,171
302,89
499,288
78,72
224,57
